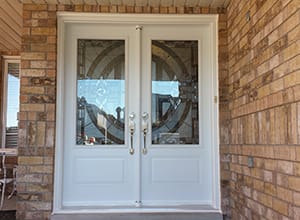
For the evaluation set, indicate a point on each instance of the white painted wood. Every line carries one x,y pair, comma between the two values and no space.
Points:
136,83
110,163
200,209
164,180
111,18
80,25
139,216
6,60
59,149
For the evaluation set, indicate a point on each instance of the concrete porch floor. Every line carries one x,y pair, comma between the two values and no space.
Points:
140,216
9,204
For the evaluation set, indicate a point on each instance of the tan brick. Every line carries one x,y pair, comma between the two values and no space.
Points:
34,7
280,206
270,188
51,56
282,180
268,176
32,206
40,14
43,47
284,153
51,39
43,31
39,64
296,168
32,107
285,194
30,160
285,167
33,72
41,169
32,90
265,199
33,56
41,132
296,198
294,183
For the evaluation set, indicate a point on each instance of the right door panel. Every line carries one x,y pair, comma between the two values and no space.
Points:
177,97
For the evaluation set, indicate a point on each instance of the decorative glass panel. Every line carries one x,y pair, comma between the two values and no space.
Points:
175,108
100,92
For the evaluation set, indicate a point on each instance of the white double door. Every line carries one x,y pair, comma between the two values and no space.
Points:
137,116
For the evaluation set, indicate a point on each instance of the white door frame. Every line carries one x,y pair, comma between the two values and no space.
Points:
136,19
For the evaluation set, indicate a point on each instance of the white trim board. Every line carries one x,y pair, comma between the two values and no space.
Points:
137,19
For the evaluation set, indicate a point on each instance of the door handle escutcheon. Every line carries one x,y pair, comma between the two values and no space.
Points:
131,131
145,117
144,148
131,150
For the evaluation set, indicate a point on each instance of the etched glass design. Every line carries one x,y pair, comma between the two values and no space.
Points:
175,108
100,92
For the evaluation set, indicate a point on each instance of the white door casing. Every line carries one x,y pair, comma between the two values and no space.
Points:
104,178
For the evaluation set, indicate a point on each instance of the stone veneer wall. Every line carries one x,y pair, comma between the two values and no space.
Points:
38,98
264,79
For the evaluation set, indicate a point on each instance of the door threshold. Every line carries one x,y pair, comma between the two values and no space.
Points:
139,216
144,209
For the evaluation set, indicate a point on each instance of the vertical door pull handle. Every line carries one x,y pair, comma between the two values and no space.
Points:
131,131
145,117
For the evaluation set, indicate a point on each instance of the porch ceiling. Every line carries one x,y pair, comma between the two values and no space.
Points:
188,3
10,25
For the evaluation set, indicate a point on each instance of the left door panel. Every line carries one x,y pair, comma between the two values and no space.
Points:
98,168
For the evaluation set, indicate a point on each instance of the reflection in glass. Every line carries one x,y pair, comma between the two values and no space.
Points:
100,92
175,117
12,107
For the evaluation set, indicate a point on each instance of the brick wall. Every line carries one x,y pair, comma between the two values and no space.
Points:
38,84
264,91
